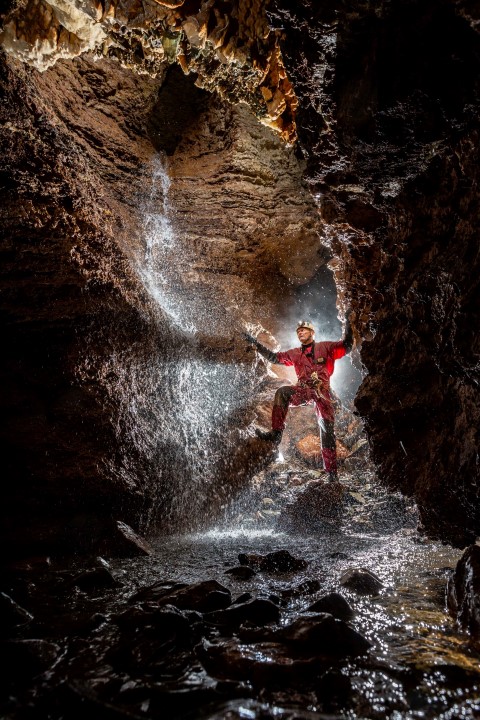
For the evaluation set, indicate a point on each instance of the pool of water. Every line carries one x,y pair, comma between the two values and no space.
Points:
420,666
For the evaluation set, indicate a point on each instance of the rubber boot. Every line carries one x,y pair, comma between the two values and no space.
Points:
274,436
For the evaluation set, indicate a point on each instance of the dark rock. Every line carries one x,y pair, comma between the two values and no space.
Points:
256,612
280,561
361,581
140,616
335,604
239,709
317,635
27,657
94,622
96,579
318,506
334,690
305,588
127,543
242,598
154,637
463,591
12,615
202,596
263,664
323,635
242,572
274,598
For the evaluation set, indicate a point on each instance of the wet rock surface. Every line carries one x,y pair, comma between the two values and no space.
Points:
97,387
306,624
361,581
463,591
293,495
283,644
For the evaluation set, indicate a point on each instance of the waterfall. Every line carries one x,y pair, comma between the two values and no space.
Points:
191,398
160,269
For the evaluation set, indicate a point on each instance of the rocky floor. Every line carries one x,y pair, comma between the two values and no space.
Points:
311,600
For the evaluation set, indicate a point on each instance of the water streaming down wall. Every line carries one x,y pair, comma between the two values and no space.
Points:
196,400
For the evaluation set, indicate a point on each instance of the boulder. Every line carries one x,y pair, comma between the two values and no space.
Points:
335,604
318,506
361,581
258,611
95,579
463,591
241,572
202,596
323,635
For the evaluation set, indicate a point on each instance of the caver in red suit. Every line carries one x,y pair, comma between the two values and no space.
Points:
314,363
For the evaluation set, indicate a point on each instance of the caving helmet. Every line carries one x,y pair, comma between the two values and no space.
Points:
305,324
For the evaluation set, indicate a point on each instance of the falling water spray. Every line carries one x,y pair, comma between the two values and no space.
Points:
198,396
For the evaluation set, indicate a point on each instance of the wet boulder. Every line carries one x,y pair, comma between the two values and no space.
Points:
123,541
308,587
318,506
335,604
203,596
361,581
258,612
95,579
263,664
248,708
334,690
318,635
242,598
463,591
323,635
280,561
241,572
149,636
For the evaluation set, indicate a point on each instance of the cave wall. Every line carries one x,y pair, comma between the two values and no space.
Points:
67,288
390,136
113,410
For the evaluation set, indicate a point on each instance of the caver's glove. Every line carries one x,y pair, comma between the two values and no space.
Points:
249,338
268,354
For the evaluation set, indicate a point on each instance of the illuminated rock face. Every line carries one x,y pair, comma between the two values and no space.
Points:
384,102
230,47
111,411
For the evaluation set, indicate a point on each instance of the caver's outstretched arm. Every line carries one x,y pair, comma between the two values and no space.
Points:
268,354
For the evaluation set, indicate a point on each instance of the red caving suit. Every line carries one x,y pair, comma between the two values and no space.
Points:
317,358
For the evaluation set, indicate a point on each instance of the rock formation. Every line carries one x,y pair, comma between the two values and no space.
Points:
375,105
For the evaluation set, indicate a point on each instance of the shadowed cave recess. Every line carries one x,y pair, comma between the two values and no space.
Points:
177,173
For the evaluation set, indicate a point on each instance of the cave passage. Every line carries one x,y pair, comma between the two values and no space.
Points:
177,173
